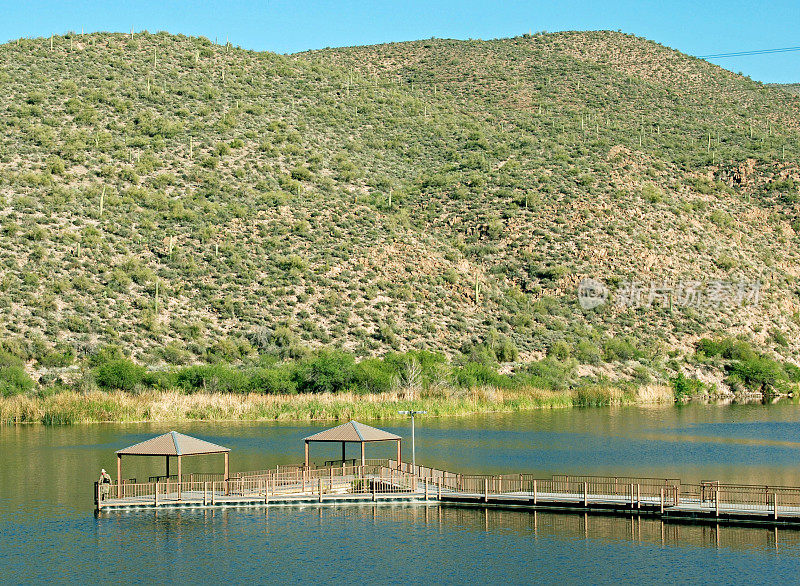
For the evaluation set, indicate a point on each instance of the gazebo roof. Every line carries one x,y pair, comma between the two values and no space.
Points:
353,431
172,444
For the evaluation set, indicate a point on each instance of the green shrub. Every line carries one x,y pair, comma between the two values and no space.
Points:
214,378
559,350
547,373
109,353
327,371
120,374
62,355
494,348
475,374
14,381
374,375
505,350
728,348
274,381
175,353
619,349
792,372
478,353
588,353
759,374
779,337
684,386
301,174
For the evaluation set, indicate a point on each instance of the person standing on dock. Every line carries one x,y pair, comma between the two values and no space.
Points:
105,484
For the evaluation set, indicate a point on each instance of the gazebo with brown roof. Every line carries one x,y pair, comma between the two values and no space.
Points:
171,444
354,432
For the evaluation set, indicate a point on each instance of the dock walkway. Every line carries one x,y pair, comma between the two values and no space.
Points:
390,482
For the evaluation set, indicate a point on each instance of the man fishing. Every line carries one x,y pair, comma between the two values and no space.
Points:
105,484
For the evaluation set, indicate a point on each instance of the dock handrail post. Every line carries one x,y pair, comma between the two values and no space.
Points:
155,494
205,493
585,494
320,489
213,494
439,489
662,501
486,490
633,496
426,490
716,502
677,497
534,491
638,496
98,497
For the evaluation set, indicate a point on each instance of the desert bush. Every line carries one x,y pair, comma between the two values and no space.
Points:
620,349
476,374
14,381
123,374
326,371
684,386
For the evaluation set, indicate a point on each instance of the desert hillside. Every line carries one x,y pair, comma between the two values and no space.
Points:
191,202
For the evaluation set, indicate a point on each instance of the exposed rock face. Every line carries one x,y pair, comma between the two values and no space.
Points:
739,175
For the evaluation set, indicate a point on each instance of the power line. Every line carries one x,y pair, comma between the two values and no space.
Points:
744,53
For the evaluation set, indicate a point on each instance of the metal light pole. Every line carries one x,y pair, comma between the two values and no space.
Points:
413,446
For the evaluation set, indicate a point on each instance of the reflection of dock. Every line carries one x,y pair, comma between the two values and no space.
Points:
387,481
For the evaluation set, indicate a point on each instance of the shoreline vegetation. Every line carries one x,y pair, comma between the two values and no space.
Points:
330,384
71,407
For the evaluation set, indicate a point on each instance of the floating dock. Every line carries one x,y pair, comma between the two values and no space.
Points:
389,482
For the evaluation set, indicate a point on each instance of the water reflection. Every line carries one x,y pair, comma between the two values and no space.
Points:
167,525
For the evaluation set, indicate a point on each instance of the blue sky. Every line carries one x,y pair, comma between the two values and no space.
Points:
697,27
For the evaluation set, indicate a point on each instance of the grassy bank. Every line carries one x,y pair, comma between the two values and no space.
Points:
163,406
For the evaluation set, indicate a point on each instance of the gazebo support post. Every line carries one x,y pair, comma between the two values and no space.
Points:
398,455
306,464
179,478
227,474
119,476
363,461
343,452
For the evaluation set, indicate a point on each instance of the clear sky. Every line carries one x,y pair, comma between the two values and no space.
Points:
697,27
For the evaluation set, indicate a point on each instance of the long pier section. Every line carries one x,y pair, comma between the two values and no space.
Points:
387,482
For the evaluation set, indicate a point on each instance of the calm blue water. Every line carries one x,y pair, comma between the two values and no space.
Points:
48,531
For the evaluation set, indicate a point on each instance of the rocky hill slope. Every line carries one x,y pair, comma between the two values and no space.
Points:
192,202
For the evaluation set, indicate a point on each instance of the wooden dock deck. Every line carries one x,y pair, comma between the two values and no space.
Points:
390,482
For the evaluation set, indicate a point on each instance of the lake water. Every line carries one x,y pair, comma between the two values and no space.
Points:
48,531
